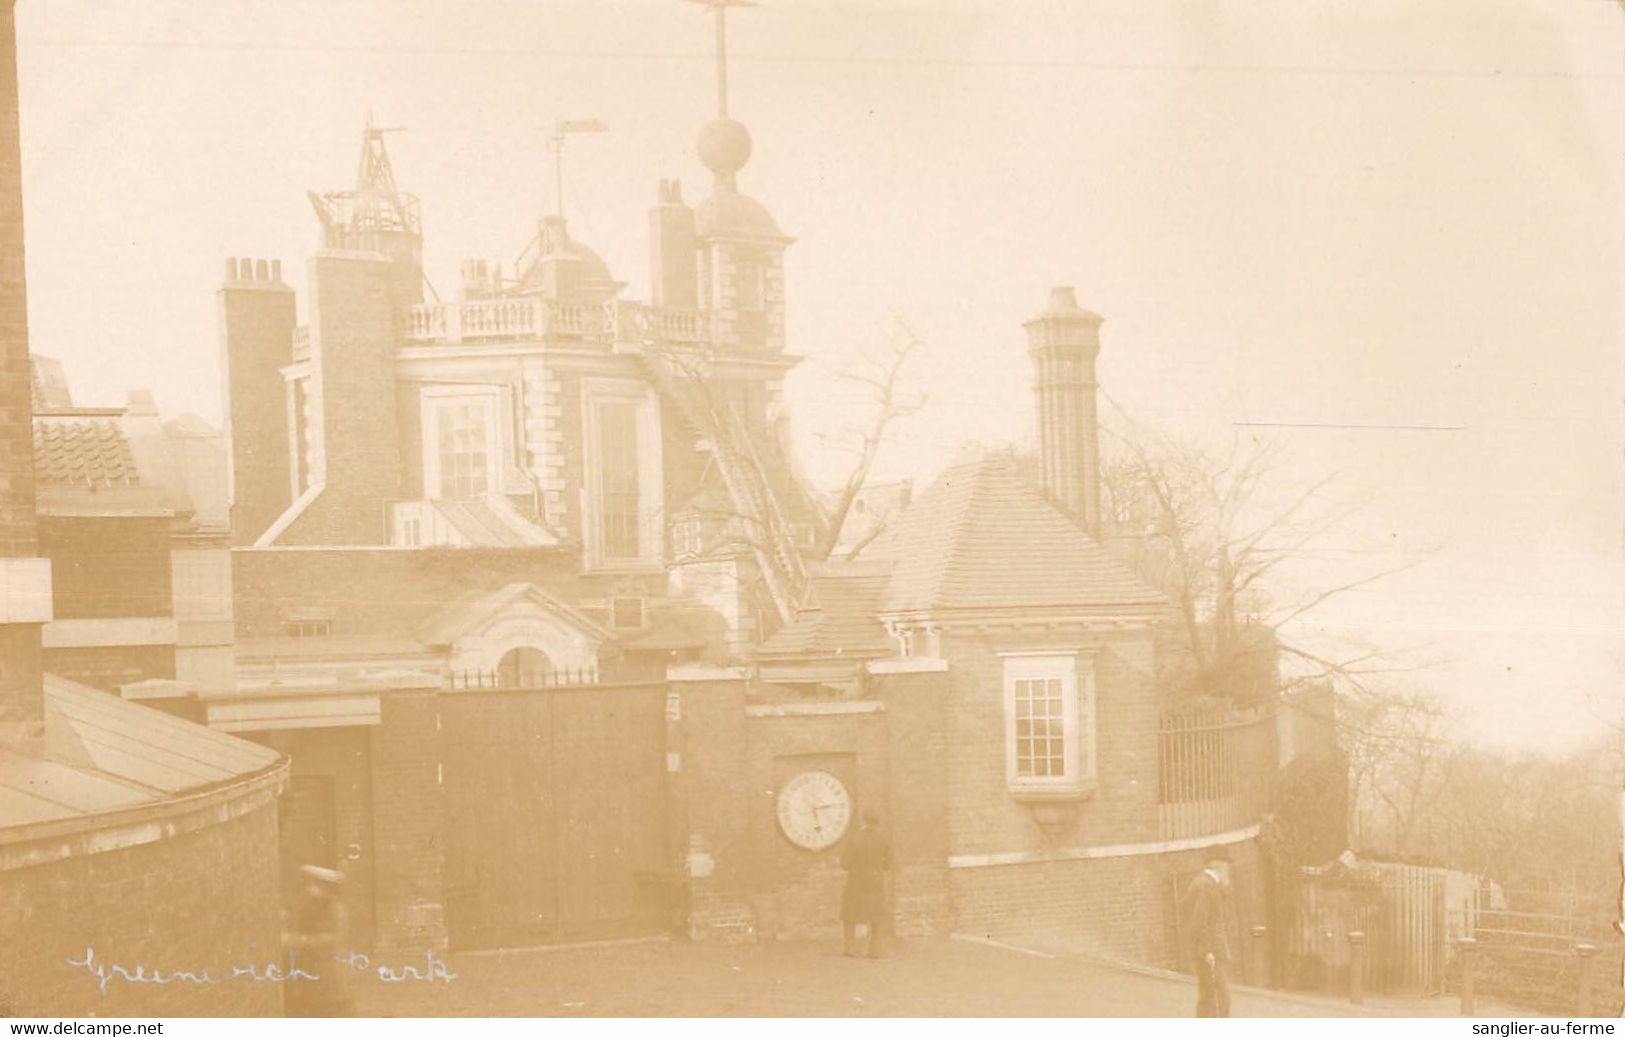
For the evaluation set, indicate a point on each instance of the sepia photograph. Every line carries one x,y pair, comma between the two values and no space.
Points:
791,509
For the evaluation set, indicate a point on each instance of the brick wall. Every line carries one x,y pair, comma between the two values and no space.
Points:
1122,908
206,899
20,691
712,813
408,825
917,811
797,892
353,334
256,341
386,592
16,413
984,818
1117,906
341,756
108,567
746,880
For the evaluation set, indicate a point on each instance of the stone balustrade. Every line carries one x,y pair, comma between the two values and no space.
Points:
511,319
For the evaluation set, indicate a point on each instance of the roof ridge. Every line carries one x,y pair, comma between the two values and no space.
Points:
986,537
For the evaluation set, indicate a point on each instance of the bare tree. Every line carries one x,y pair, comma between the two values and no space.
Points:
882,378
1403,753
1212,531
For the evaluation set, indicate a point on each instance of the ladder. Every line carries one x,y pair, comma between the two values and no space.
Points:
721,432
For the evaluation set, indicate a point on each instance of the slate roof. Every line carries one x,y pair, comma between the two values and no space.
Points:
106,754
840,617
86,450
484,523
983,538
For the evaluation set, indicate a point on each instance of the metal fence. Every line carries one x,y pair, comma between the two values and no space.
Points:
1213,769
493,680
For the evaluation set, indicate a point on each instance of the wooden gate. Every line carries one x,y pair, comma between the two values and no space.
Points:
1399,907
555,813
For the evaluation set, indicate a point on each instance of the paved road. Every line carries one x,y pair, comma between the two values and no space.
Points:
923,978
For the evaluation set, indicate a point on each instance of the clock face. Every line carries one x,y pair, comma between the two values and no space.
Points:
814,810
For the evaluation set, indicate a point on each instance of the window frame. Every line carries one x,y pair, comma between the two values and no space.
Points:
651,475
432,401
1075,671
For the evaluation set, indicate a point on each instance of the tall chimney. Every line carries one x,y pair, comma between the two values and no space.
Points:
25,578
673,259
256,342
1063,341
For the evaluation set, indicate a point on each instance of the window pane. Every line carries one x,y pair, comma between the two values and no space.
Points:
618,483
462,432
1039,727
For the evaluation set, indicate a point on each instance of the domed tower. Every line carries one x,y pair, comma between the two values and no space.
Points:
741,249
560,268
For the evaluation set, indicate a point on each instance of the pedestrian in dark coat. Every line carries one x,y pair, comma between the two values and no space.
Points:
867,860
316,946
1204,920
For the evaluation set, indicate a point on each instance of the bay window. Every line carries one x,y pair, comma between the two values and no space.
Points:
1049,722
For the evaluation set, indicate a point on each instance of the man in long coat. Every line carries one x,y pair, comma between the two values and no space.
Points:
316,945
1205,924
867,860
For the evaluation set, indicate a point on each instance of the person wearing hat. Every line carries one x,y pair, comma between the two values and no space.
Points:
316,947
1203,918
867,860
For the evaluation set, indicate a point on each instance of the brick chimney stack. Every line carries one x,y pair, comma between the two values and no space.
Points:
25,578
673,256
257,318
1064,341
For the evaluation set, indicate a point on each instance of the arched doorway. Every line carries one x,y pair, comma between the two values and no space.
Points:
524,668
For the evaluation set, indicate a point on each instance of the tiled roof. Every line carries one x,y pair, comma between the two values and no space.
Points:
107,754
983,538
841,619
86,450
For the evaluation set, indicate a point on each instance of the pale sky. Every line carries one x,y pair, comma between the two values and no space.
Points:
1383,213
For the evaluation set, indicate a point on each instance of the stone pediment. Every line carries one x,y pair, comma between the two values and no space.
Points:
479,632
